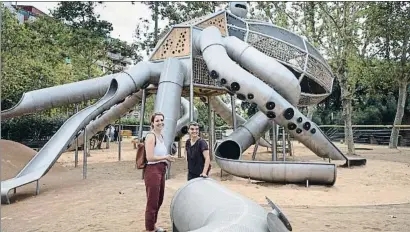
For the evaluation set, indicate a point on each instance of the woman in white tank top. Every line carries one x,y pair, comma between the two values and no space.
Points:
154,173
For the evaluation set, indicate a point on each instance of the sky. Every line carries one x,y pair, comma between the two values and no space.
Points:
124,16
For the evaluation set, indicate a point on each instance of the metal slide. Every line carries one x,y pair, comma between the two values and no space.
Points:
122,85
43,99
119,110
269,101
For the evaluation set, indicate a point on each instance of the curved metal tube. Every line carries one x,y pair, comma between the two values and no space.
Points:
229,151
47,98
267,99
265,68
168,97
244,136
225,210
281,172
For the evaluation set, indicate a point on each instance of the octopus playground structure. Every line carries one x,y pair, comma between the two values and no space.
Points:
220,53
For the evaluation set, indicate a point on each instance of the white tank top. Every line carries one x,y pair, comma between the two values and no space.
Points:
159,150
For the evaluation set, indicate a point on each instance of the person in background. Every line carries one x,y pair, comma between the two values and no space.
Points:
154,173
116,130
196,153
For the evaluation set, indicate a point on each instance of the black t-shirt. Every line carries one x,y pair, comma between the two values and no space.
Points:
195,157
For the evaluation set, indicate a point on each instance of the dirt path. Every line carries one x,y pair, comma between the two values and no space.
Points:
371,198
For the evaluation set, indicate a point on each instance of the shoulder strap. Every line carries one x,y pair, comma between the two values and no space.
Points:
154,137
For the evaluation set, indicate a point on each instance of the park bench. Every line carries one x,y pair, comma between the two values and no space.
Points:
126,133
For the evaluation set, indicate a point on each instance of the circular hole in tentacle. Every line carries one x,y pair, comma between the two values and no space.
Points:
250,96
223,81
270,105
289,113
271,114
313,131
203,99
214,74
300,120
241,97
306,125
235,86
298,130
184,130
291,126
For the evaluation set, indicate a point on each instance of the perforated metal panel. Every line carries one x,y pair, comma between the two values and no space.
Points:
278,33
306,99
321,74
176,44
278,50
218,21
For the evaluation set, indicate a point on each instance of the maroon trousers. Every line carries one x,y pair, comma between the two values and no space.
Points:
154,177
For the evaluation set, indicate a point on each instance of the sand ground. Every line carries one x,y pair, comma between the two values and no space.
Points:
375,197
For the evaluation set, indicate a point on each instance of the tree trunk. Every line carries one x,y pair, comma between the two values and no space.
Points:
156,32
347,116
344,85
311,110
401,103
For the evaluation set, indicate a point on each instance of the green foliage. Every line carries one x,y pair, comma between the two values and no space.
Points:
81,15
203,114
33,56
174,13
33,127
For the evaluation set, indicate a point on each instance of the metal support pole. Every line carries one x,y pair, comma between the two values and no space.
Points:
255,150
213,129
76,143
179,148
191,99
210,133
274,142
284,144
119,141
233,111
142,112
108,138
85,153
37,187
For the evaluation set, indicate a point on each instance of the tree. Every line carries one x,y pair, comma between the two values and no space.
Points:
122,50
342,23
32,56
89,32
81,15
390,24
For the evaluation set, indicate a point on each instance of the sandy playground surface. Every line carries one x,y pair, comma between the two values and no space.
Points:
375,197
